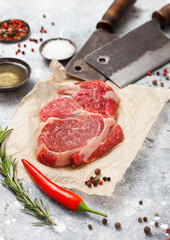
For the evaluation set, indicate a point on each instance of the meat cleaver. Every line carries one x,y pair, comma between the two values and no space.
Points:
77,67
130,57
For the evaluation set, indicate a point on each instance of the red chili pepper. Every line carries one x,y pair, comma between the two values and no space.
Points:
149,73
168,230
61,195
100,182
164,73
45,31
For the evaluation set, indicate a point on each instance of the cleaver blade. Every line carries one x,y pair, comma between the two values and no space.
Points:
132,56
77,67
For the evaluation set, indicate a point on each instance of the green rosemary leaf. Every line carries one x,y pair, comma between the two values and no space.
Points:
8,170
42,223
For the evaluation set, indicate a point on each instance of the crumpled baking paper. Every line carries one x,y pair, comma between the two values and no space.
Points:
138,110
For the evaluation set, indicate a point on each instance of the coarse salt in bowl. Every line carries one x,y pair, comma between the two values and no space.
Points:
58,48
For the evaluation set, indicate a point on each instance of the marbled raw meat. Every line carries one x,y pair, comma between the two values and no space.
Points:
78,125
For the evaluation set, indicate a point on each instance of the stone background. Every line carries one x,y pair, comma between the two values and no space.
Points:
148,177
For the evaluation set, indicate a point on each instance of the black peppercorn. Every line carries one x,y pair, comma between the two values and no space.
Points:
97,171
140,202
145,219
147,230
94,183
157,73
90,226
104,178
23,52
91,178
108,179
104,221
25,45
41,39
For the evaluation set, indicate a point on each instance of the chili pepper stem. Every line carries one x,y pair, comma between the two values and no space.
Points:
82,207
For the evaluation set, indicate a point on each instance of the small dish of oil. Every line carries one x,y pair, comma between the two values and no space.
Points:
14,73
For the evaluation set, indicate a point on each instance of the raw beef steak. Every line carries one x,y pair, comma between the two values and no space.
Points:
94,96
76,130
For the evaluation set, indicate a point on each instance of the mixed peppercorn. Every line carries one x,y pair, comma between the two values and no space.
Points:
13,30
164,74
96,180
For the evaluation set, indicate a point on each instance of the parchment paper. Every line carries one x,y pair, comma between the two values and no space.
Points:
138,110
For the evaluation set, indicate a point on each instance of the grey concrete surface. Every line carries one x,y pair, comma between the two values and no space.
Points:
148,177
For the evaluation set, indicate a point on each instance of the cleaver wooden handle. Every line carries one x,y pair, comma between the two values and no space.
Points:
163,16
113,14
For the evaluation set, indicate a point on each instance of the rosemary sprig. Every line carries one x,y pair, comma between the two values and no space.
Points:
7,169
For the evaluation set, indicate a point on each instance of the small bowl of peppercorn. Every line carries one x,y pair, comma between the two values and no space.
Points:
13,30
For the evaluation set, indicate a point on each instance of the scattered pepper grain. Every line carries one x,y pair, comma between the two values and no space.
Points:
90,227
104,221
161,84
97,171
52,23
145,219
157,73
154,82
156,214
166,77
97,179
89,184
117,225
91,178
104,178
139,219
25,45
140,202
23,52
147,230
156,224
94,183
86,182
100,182
44,16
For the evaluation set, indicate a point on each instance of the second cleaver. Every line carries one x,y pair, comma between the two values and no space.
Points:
129,58
77,67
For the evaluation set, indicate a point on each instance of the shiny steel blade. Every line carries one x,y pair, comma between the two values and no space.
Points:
129,58
77,67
